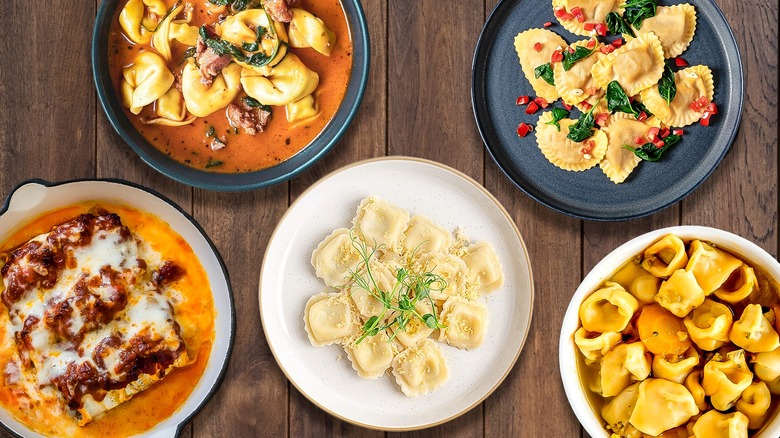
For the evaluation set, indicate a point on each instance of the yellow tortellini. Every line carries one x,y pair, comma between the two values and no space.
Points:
767,368
711,266
241,30
709,325
739,286
693,385
665,256
609,309
286,82
621,365
171,110
134,22
753,332
754,403
302,110
618,410
662,405
306,30
714,424
145,81
724,380
595,345
638,282
675,368
203,100
680,293
170,29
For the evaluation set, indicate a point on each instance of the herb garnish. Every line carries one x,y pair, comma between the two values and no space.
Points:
557,114
583,128
617,24
237,5
579,53
400,303
666,86
545,72
651,152
638,11
251,102
213,163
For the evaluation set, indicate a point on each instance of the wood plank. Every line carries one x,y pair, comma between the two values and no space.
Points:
47,101
254,395
741,195
364,139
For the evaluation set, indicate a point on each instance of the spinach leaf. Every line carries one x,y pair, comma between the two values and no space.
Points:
638,11
545,71
213,163
220,46
237,5
641,108
617,24
251,102
649,151
584,126
579,53
558,114
617,100
666,86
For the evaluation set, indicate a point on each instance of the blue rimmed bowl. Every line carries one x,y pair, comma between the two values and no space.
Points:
230,182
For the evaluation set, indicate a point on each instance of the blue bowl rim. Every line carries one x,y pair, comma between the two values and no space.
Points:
231,300
233,182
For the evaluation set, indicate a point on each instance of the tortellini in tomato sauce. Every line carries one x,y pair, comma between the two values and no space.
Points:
286,82
372,356
145,81
609,309
380,223
709,325
335,257
466,323
753,332
622,365
202,99
754,403
171,110
724,380
306,30
254,29
169,30
134,22
595,345
680,293
421,369
330,318
530,58
302,110
423,236
484,270
665,256
635,66
662,405
714,424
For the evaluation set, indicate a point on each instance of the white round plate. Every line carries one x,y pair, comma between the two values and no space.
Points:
324,375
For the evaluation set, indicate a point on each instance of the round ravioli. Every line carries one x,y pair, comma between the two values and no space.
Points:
594,11
673,25
530,58
621,130
692,83
636,66
567,154
577,84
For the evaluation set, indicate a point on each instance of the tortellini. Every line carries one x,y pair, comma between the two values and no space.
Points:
754,403
662,405
767,368
711,266
753,332
609,309
724,380
400,284
202,99
134,22
675,368
709,325
421,369
739,286
301,110
680,293
306,30
530,58
243,30
693,385
621,365
636,66
171,110
145,81
169,30
714,424
665,256
618,410
594,347
286,82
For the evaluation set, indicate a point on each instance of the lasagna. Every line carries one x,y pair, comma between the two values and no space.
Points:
88,316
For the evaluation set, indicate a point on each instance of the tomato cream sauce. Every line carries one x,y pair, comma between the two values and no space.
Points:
195,314
189,144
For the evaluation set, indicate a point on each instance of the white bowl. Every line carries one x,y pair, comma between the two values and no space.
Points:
33,198
567,350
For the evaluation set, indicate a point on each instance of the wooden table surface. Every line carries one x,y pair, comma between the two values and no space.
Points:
417,103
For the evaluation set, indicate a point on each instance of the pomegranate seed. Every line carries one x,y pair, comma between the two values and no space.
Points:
705,119
665,132
522,100
586,105
678,132
567,106
653,133
639,140
547,23
557,56
591,44
531,108
679,62
601,29
538,47
590,26
642,116
712,108
523,129
541,102
617,43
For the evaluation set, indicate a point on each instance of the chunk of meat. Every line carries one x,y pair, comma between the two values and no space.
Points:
209,61
251,120
217,144
279,10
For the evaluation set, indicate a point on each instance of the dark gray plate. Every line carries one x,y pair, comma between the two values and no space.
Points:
497,81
